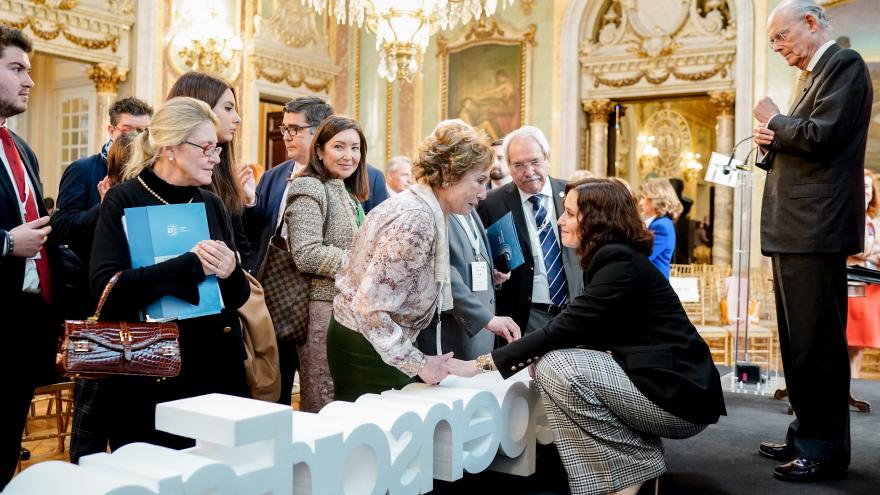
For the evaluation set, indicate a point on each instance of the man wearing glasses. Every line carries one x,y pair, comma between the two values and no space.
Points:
538,289
82,184
812,218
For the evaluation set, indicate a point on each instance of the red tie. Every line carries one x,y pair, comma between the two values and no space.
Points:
30,208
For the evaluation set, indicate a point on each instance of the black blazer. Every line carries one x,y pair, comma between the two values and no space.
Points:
79,204
514,299
12,267
814,194
655,344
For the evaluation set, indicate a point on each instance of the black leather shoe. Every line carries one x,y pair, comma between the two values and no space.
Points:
805,470
777,451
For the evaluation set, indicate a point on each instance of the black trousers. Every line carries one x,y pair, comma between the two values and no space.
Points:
288,361
30,333
811,307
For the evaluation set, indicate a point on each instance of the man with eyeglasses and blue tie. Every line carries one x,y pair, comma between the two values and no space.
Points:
812,217
538,289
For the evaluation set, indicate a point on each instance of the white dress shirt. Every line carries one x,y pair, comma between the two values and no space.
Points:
540,284
31,277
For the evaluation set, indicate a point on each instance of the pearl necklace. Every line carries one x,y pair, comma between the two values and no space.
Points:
154,192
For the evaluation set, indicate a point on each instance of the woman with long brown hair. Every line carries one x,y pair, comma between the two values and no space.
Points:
233,182
323,213
621,366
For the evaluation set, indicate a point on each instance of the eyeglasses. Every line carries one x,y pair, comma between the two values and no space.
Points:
293,130
208,149
779,36
534,163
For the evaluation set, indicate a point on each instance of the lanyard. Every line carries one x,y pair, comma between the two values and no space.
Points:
472,232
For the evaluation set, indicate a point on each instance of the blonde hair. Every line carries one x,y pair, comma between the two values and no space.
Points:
449,153
662,197
172,124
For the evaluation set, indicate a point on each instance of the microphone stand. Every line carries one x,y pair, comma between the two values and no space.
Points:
747,377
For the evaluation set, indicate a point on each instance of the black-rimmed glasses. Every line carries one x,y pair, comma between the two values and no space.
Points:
207,149
293,130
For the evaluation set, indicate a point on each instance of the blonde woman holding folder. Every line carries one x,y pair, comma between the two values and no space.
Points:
170,162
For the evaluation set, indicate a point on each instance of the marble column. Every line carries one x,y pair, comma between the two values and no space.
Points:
597,137
106,79
722,229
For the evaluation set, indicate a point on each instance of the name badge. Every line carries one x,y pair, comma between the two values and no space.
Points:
479,276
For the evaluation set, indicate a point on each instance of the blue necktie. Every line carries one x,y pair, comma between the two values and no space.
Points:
552,254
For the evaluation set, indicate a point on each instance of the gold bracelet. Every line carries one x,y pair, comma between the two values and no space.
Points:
485,363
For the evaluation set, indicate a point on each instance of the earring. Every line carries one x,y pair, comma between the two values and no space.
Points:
445,185
170,157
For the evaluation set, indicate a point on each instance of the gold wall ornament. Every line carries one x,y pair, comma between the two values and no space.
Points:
660,79
111,41
724,102
598,110
672,138
527,6
296,25
295,76
107,78
631,45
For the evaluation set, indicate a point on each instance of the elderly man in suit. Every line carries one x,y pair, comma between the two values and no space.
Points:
550,276
813,217
25,274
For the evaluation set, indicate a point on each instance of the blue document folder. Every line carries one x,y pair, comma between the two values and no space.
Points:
159,233
505,244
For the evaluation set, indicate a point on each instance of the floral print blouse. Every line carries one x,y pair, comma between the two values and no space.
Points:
387,287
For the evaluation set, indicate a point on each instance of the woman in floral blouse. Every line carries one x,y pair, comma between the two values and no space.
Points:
396,280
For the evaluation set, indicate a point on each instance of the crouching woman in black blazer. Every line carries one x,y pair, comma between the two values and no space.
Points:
621,366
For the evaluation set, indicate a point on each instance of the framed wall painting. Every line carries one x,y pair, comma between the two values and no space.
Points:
485,76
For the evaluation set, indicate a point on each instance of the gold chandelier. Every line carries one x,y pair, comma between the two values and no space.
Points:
403,27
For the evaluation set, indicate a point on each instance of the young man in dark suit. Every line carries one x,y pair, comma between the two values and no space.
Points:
812,217
25,274
550,276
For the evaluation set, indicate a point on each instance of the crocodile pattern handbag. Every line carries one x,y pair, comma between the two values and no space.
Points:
100,349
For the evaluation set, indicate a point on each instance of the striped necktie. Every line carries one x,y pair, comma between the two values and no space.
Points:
552,253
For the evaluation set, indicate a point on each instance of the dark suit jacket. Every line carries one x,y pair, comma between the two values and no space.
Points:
378,189
514,299
814,194
79,204
664,243
12,267
260,219
657,345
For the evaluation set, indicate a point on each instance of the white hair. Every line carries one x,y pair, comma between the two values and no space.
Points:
526,131
807,7
395,162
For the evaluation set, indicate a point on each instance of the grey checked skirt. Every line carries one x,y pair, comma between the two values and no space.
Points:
608,434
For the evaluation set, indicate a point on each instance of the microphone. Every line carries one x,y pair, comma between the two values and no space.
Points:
727,168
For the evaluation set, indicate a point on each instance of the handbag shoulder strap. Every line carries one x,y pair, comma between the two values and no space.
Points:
104,295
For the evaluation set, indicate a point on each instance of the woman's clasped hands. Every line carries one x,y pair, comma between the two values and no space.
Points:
216,258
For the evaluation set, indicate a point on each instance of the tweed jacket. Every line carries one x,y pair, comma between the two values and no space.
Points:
320,229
